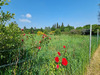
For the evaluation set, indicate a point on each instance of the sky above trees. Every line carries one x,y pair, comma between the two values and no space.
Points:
44,13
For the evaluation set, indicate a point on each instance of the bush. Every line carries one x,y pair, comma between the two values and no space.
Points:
74,31
52,32
9,42
46,31
57,32
85,31
40,33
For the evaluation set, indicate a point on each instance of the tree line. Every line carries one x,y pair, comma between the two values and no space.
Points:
85,30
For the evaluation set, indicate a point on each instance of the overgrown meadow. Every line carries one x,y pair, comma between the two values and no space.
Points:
50,55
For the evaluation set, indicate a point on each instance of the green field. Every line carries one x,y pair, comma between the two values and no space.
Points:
77,54
32,61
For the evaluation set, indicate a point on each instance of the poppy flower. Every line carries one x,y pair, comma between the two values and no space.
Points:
64,61
42,36
50,38
22,29
22,40
59,54
64,46
57,59
57,66
39,47
23,34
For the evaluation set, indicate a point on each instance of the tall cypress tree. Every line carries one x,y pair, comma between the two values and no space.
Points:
57,25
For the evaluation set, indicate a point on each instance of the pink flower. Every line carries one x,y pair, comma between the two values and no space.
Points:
57,66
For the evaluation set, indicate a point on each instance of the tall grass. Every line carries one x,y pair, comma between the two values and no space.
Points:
43,62
77,53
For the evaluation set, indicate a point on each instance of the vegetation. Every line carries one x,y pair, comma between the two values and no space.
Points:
32,51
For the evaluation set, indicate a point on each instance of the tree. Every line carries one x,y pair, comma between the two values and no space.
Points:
57,25
53,28
62,24
4,2
79,28
62,27
24,27
68,28
86,26
94,28
4,17
41,29
47,29
31,30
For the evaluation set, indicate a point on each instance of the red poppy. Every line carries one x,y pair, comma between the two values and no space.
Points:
22,29
64,61
59,54
57,59
42,36
57,66
22,40
23,34
64,46
50,38
39,47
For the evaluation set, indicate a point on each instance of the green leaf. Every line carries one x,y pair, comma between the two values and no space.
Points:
5,0
6,3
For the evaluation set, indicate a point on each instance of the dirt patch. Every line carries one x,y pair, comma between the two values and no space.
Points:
94,68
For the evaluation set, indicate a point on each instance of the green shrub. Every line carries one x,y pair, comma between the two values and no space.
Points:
57,32
74,31
10,40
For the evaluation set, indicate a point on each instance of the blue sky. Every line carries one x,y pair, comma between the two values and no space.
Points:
41,13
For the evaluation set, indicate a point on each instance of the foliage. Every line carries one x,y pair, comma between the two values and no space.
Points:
5,17
79,28
85,31
40,33
86,27
68,28
74,31
4,2
62,27
57,32
53,28
52,32
46,31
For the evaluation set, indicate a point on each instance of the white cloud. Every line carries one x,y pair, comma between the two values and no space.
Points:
28,15
24,20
